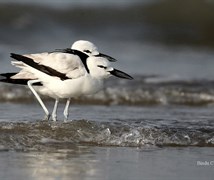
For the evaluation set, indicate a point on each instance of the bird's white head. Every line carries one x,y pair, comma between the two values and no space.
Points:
86,47
90,49
101,68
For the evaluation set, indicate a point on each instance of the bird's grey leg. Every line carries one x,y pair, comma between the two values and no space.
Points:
66,110
30,83
54,113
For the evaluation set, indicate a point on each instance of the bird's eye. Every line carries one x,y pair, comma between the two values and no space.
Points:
101,66
87,51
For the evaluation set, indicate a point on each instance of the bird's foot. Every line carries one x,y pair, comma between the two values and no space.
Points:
54,117
66,117
47,117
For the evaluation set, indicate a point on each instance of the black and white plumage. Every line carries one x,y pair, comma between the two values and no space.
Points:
63,73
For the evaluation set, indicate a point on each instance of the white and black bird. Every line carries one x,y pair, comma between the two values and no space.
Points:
63,73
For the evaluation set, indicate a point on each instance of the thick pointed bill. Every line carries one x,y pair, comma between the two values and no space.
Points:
120,74
111,59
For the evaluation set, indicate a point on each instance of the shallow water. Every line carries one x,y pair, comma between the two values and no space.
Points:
89,162
158,126
107,142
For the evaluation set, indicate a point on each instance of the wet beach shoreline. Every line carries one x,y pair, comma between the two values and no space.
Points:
158,126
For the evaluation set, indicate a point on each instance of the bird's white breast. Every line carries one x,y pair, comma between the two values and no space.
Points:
85,85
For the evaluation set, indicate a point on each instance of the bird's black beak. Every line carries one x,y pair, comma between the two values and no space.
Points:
111,59
120,74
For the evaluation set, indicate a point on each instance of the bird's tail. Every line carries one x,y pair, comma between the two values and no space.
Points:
8,78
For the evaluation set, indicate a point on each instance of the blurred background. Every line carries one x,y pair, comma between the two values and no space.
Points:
156,41
158,37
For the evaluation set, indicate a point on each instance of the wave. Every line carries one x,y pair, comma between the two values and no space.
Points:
142,91
55,135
